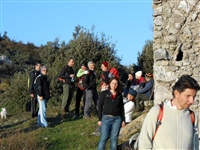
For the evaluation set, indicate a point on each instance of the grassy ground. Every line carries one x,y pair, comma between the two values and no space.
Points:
20,132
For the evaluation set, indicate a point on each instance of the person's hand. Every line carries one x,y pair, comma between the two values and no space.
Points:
40,98
71,75
123,124
99,123
85,72
32,95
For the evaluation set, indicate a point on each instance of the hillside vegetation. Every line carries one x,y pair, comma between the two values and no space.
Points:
19,130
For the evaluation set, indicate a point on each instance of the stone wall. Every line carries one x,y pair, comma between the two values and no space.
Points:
176,45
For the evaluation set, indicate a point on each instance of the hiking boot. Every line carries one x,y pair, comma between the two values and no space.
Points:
76,116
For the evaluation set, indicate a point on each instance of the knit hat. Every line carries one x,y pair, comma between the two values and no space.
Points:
138,73
105,63
149,75
132,92
84,64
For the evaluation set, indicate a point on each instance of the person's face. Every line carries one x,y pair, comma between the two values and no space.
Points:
137,77
91,66
103,67
37,67
130,97
71,62
44,71
147,79
130,76
83,68
184,99
113,84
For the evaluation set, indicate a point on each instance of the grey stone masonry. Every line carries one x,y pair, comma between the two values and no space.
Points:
176,45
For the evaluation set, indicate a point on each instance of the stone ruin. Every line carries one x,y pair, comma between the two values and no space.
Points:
176,45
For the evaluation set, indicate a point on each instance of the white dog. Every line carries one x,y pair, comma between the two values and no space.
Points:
3,113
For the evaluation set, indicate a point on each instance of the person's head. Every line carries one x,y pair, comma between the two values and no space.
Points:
131,95
105,66
91,65
148,76
130,76
184,91
70,62
83,66
44,70
138,74
37,66
114,84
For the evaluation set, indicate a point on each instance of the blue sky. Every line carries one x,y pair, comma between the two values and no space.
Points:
129,23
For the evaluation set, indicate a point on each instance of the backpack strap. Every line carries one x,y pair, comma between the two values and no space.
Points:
192,116
159,120
36,78
160,116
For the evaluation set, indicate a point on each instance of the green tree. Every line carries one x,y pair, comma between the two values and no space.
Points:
145,58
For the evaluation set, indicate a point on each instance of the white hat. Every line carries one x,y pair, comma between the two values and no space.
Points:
138,73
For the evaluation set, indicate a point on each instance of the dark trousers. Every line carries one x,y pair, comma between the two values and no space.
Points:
67,96
34,106
90,95
79,94
140,98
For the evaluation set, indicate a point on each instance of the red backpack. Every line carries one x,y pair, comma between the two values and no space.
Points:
80,82
115,72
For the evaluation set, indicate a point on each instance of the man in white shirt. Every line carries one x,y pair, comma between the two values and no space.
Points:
177,129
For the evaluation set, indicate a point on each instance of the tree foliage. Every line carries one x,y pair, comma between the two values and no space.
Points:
85,45
145,58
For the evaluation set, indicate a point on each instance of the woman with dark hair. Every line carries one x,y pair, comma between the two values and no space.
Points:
104,77
110,114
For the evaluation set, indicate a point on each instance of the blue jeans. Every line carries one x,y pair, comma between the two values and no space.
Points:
42,120
110,127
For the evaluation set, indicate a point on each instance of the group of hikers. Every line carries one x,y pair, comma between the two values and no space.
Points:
115,104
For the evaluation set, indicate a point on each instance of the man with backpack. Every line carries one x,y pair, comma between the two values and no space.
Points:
67,77
177,128
32,75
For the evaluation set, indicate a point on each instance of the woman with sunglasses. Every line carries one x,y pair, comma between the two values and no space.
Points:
43,94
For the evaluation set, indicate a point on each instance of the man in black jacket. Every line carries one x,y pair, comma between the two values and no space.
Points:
67,77
131,81
89,83
32,75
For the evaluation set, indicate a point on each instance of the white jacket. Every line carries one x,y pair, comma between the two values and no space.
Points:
129,108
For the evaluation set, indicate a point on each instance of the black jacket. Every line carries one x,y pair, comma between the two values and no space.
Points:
65,74
89,80
32,75
130,83
42,87
109,106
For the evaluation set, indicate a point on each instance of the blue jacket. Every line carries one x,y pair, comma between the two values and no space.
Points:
147,90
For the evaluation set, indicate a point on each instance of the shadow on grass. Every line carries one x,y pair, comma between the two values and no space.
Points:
15,132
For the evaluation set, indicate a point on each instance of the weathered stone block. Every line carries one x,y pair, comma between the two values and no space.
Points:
161,54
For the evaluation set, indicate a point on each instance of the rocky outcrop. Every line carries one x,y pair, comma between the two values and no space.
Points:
176,45
132,128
